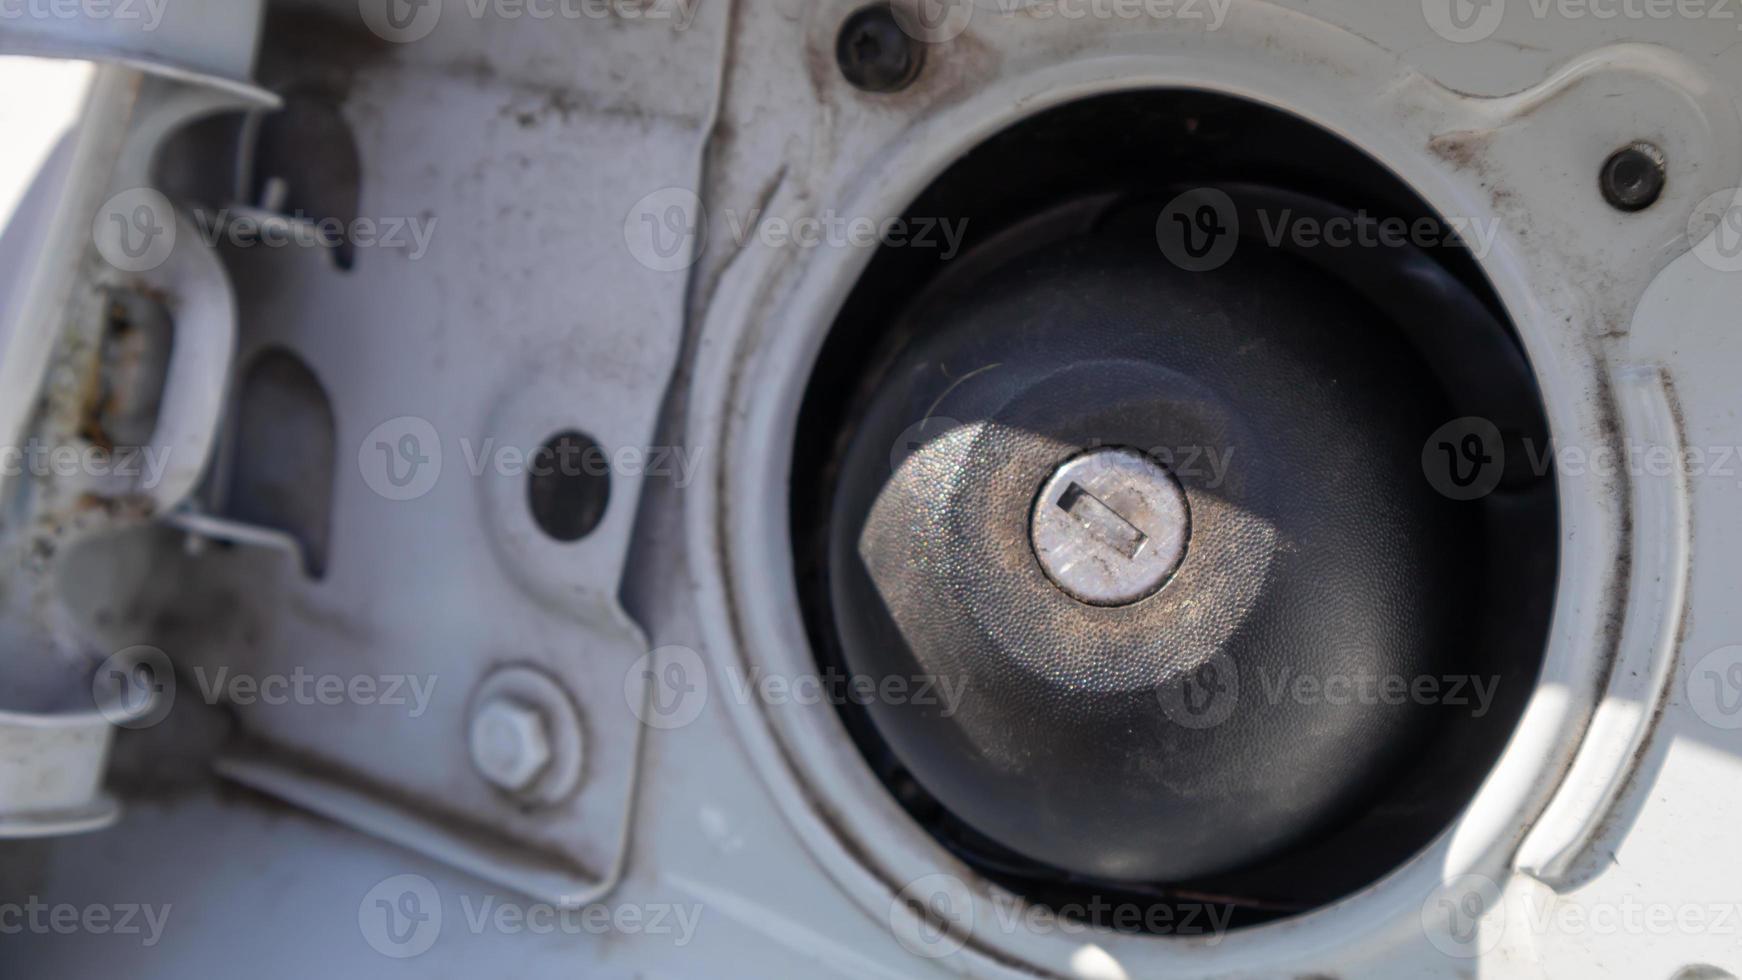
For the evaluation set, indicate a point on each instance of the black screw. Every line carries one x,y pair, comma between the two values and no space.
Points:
1633,177
874,53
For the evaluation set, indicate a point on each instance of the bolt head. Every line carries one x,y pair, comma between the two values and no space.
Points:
1633,177
874,53
510,744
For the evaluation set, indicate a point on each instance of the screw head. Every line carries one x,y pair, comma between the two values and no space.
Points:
874,53
510,744
1110,527
1633,177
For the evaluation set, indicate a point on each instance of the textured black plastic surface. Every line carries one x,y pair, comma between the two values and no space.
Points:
1171,738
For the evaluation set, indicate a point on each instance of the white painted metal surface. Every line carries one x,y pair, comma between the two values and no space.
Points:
566,164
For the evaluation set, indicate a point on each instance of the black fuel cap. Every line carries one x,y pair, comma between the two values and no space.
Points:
1167,536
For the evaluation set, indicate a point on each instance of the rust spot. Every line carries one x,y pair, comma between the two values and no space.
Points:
1462,148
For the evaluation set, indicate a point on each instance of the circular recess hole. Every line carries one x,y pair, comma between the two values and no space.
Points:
874,53
1633,177
1278,313
568,486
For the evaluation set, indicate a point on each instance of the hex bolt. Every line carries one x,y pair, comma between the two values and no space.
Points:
1633,177
1110,527
874,53
510,744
